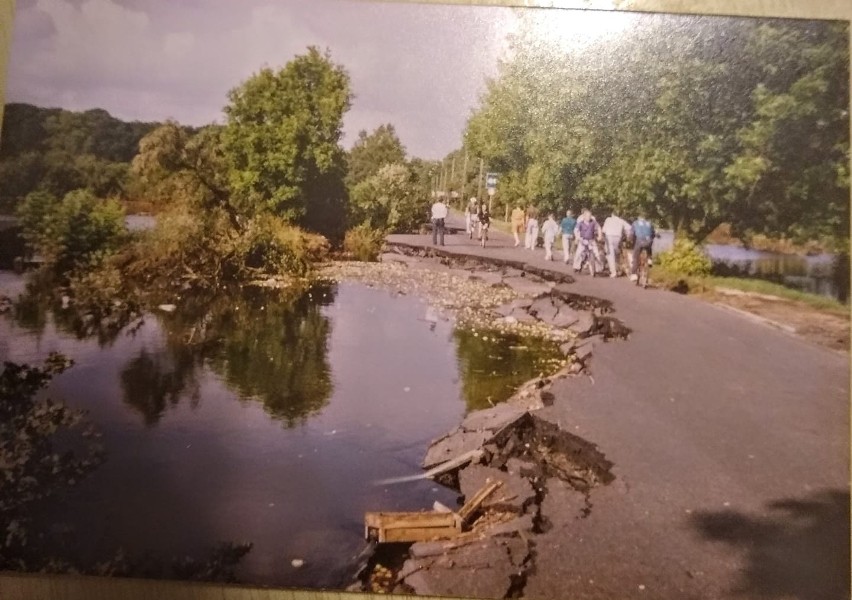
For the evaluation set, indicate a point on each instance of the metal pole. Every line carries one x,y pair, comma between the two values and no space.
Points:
453,172
464,181
479,185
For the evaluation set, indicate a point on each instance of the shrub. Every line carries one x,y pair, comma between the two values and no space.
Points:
272,246
364,243
389,200
686,258
72,232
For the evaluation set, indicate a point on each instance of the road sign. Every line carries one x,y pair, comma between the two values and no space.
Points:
491,182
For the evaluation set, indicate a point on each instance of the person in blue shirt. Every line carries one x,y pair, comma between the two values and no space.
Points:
643,237
568,224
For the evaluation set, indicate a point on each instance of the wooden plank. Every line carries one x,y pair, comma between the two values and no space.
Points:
479,497
419,534
402,520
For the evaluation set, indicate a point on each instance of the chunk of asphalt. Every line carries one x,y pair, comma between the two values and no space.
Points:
454,445
492,419
513,495
525,287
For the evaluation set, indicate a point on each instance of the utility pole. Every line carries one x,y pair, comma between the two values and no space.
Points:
479,185
464,182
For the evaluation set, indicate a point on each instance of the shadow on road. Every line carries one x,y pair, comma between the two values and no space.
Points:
799,550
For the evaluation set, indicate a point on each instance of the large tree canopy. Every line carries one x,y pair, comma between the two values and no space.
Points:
694,121
371,152
282,142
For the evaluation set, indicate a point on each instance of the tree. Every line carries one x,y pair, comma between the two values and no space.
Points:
390,200
372,152
282,145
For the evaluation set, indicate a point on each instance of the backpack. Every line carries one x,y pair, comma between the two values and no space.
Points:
642,229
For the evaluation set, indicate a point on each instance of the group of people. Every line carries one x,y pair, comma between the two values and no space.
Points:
581,235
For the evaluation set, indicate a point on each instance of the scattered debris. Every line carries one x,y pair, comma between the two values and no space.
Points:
169,308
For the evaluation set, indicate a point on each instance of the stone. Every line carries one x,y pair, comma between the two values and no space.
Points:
515,493
525,287
522,316
453,445
584,349
585,322
517,466
492,419
543,310
568,348
429,549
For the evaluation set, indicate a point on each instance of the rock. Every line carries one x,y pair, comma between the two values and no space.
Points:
531,400
492,419
585,322
517,466
169,308
544,310
525,287
297,563
513,495
453,445
584,349
492,278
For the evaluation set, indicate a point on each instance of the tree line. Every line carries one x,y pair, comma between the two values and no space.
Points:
695,121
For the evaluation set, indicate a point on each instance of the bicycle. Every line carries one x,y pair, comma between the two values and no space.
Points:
587,256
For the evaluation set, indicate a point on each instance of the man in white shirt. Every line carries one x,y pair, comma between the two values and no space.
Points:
439,213
614,229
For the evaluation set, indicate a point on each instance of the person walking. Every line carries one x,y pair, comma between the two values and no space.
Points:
484,224
550,229
568,224
519,223
439,213
614,229
471,217
587,232
532,228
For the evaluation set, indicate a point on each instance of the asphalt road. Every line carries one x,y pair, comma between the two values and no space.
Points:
730,440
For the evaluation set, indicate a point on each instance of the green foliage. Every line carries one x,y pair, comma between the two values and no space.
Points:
273,246
364,243
58,151
73,232
693,121
390,200
686,258
372,152
282,139
34,464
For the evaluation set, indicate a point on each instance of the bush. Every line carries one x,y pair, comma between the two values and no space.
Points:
364,243
272,246
73,232
389,200
686,258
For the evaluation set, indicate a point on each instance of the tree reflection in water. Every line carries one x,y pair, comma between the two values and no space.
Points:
266,345
493,364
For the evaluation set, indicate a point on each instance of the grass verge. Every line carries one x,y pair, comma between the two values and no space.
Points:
704,285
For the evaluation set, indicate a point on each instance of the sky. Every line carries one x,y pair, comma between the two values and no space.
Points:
420,67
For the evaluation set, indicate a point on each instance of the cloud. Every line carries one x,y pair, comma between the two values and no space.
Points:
420,67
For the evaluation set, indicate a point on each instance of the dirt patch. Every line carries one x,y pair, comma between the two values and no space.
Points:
826,329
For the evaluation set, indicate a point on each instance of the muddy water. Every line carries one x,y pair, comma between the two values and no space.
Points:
255,418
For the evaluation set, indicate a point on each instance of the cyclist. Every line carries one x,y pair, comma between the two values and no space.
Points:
643,237
568,224
587,232
471,216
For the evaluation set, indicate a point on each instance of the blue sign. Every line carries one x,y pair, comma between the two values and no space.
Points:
491,181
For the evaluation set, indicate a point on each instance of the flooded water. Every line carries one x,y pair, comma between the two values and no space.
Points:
817,274
248,417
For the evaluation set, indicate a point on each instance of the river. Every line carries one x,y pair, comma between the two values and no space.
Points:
248,417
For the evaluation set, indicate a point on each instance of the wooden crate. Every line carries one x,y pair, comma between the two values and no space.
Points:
411,526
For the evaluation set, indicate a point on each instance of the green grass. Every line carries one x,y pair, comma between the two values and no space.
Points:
707,284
